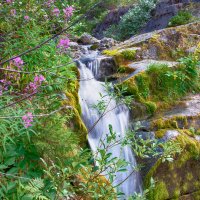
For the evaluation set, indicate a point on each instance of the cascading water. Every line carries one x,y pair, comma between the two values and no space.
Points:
117,116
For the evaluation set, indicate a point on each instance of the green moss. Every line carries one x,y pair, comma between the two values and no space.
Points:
125,69
113,52
151,107
159,192
189,176
177,192
160,133
129,54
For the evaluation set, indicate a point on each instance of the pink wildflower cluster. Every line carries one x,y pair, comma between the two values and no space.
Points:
18,62
33,86
68,11
26,17
13,12
27,119
56,12
64,43
9,1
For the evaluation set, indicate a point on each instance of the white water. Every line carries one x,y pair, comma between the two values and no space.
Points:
89,94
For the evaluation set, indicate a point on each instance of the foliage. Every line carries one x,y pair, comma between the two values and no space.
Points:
133,21
162,83
42,154
129,54
183,17
149,147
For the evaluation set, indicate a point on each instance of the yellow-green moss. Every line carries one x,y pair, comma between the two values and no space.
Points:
129,54
159,192
160,133
174,178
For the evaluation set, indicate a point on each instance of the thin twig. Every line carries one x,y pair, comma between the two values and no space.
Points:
40,115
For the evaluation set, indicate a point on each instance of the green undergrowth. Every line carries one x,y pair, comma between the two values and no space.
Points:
183,17
161,86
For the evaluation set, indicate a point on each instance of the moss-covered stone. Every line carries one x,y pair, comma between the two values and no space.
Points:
180,177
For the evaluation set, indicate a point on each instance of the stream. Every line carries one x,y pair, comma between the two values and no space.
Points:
116,115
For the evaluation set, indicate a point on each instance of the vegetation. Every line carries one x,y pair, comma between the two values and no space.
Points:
161,83
44,153
133,21
43,141
183,17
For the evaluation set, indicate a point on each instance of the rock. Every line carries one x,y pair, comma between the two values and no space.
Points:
87,39
165,44
163,12
107,68
103,68
197,137
143,65
113,17
170,134
74,45
107,43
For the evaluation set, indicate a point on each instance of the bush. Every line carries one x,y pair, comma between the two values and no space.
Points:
183,17
133,21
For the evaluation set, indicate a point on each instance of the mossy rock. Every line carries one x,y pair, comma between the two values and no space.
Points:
180,177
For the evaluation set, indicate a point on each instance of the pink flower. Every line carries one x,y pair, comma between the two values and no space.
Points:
63,43
68,11
26,17
13,12
39,79
56,12
33,86
18,62
9,1
27,119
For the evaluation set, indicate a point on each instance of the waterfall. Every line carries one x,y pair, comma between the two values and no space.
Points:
117,116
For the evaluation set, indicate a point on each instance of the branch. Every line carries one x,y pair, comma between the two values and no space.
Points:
40,115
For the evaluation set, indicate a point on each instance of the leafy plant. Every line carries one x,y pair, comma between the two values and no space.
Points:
133,21
183,17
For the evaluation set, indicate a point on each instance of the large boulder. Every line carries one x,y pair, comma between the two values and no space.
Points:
164,11
87,39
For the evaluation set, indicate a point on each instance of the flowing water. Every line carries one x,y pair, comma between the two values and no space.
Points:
117,116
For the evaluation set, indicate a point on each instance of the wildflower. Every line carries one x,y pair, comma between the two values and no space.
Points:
26,17
63,43
33,86
9,1
68,11
56,12
39,79
13,12
18,62
27,119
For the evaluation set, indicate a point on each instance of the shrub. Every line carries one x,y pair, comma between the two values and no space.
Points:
133,21
129,54
183,17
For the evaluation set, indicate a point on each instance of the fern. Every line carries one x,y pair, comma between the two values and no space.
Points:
35,188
